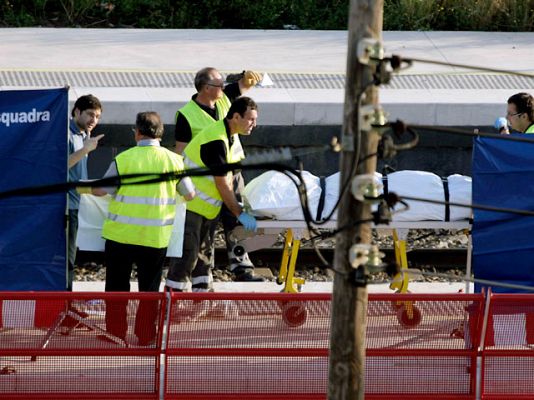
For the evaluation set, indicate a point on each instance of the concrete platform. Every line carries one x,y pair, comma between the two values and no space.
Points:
428,94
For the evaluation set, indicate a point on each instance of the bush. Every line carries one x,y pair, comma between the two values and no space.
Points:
483,15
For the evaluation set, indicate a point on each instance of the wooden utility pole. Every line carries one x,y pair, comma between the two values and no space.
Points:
349,303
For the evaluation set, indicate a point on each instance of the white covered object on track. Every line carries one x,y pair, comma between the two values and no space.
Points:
274,195
425,185
460,192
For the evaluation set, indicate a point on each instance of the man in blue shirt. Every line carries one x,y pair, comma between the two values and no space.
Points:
85,116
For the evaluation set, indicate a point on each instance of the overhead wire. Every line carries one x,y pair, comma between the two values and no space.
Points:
464,278
398,60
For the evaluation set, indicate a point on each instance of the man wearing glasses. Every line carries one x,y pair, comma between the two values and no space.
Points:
210,104
520,112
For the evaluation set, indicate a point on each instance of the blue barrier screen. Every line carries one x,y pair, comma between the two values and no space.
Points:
503,243
33,152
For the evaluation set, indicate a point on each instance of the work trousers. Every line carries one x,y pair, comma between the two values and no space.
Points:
229,222
71,246
195,266
120,258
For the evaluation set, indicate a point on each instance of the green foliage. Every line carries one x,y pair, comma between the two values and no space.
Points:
454,15
480,15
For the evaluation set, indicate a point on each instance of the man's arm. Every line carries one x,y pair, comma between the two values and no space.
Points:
182,133
213,155
186,188
101,191
226,191
179,147
89,145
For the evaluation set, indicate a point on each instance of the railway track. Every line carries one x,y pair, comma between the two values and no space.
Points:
307,258
438,258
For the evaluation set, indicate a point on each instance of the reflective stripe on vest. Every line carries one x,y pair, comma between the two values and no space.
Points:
145,200
140,221
199,193
190,164
203,196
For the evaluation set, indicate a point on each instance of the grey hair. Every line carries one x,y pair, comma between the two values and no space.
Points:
203,77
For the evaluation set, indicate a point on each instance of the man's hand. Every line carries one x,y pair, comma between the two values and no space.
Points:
248,221
90,143
251,78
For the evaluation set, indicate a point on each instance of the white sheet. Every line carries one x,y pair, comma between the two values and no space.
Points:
93,211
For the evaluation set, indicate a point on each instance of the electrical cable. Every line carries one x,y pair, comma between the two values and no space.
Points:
464,132
526,213
451,277
397,60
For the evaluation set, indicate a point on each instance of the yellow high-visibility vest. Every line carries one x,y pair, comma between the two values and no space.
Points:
198,118
143,214
208,201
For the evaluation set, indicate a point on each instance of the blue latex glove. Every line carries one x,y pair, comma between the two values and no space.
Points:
248,221
500,123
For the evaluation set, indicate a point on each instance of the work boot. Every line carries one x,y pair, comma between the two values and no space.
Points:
247,275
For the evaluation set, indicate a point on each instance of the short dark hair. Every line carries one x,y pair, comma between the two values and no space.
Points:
149,124
203,77
240,106
524,103
86,102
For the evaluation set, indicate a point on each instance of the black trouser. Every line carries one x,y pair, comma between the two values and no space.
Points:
197,257
71,247
119,260
229,222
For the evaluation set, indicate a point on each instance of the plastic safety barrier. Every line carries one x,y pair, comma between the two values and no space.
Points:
259,346
70,352
508,348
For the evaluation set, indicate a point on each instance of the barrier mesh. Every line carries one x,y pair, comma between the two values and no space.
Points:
248,345
246,375
232,323
108,345
416,323
268,344
417,345
69,345
509,348
509,376
78,375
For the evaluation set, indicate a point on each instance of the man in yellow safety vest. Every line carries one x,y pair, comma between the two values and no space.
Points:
139,225
212,148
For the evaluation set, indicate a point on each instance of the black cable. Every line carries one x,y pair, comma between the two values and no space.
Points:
148,178
451,277
397,60
465,132
472,206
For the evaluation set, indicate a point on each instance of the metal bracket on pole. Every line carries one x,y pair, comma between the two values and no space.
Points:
364,258
366,188
369,48
372,117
